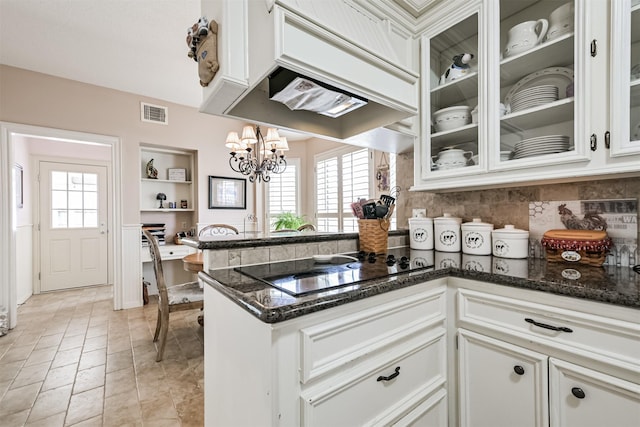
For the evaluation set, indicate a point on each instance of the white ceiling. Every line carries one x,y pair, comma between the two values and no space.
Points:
136,46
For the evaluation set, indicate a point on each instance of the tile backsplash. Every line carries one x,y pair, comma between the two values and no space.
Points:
502,205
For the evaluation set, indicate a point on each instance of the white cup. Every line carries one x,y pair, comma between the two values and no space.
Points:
561,21
525,36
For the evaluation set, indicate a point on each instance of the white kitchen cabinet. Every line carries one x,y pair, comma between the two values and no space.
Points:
543,135
520,395
379,361
501,384
582,397
511,341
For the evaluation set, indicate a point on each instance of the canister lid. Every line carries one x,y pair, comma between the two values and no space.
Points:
477,224
420,220
448,219
511,232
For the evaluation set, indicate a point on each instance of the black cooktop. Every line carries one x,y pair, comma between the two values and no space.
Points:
303,277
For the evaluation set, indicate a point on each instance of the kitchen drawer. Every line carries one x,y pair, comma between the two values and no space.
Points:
576,332
360,397
167,252
350,339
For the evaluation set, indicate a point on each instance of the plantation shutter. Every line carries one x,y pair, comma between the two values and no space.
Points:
283,190
355,184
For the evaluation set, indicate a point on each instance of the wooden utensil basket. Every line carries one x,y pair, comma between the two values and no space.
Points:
373,235
583,246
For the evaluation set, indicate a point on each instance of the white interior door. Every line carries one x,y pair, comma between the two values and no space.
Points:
73,225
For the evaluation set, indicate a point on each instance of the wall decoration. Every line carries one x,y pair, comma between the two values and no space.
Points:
382,173
18,179
227,193
177,174
618,217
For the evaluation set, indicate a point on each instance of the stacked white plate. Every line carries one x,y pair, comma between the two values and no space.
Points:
533,96
541,145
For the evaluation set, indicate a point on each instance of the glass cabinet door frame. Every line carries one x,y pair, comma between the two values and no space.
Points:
582,96
463,10
620,77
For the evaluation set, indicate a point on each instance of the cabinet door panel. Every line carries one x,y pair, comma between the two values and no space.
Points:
581,397
500,384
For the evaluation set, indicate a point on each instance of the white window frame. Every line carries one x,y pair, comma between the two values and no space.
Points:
338,153
290,162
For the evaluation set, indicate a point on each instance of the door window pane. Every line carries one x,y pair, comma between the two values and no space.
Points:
74,199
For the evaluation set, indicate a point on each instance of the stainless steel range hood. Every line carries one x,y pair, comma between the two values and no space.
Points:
258,47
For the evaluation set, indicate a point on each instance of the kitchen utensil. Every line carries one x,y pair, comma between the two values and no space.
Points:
381,211
357,210
451,118
333,258
525,36
391,209
387,200
369,210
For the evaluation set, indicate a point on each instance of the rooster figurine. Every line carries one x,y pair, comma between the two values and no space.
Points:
591,220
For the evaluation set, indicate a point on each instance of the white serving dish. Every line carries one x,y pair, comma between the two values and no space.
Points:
451,118
476,237
510,242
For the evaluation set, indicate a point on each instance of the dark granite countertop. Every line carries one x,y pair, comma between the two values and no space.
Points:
607,284
252,240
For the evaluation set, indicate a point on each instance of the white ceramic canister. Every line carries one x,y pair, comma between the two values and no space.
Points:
476,237
510,242
447,233
421,233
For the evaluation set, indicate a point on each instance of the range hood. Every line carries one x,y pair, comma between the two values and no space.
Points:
262,53
299,92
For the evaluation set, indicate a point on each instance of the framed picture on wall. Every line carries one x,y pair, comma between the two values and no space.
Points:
227,193
18,180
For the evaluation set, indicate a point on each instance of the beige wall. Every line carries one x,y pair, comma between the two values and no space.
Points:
38,99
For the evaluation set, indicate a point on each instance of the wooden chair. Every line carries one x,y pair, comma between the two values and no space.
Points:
307,227
184,296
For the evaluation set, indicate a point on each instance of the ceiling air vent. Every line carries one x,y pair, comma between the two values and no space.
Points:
154,113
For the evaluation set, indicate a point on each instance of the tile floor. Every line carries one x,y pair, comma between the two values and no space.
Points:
73,361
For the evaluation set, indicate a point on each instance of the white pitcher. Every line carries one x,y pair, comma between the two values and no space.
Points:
525,36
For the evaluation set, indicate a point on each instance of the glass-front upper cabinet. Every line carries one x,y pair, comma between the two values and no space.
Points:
625,77
538,84
450,115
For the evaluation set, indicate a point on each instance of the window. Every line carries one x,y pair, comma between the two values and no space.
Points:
393,182
74,199
342,177
284,190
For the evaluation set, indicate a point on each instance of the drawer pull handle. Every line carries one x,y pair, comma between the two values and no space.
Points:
578,392
390,377
518,370
544,325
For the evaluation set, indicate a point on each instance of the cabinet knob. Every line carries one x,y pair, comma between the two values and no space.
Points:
171,253
578,392
518,370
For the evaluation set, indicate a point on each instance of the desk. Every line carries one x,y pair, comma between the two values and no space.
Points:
172,273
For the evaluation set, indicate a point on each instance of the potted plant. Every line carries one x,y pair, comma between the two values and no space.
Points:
288,220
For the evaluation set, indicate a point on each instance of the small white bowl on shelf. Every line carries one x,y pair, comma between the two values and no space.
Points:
451,118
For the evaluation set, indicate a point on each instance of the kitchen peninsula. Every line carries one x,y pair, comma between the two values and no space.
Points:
409,347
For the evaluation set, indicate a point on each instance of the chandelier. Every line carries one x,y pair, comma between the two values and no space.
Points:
255,155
